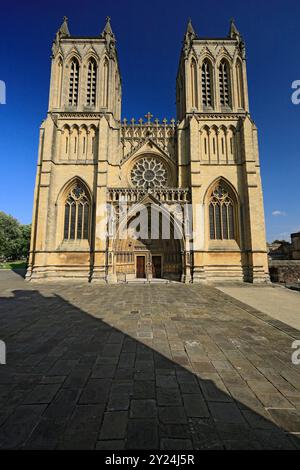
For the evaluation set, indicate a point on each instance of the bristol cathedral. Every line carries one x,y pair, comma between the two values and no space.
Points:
90,158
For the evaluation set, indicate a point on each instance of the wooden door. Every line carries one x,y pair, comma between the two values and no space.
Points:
156,266
140,267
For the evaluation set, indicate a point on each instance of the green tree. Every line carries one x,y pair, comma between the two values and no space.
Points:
25,241
14,238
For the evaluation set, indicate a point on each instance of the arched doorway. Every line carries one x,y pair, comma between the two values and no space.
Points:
152,251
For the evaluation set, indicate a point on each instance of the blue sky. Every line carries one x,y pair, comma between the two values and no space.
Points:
149,37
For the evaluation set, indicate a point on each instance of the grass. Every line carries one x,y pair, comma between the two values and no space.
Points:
21,264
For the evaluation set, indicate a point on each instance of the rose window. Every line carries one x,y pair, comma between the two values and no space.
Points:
149,173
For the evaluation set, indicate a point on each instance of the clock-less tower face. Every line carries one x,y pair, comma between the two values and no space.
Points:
149,173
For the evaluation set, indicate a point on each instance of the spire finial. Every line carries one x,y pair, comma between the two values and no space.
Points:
64,29
107,28
188,38
190,30
109,37
233,31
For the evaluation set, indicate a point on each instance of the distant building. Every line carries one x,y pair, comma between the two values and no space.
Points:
295,237
284,249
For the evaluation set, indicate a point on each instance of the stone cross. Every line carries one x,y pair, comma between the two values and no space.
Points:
149,116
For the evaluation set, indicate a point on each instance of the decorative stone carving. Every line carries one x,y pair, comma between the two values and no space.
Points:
134,135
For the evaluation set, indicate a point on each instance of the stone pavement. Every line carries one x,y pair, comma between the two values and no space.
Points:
277,301
168,366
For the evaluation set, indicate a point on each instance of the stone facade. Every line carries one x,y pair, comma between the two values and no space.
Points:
207,159
295,237
285,271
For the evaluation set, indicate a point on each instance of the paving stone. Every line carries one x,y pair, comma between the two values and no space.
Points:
122,386
63,367
172,415
213,392
112,350
118,402
127,360
108,360
261,420
103,371
261,386
77,378
176,444
242,444
144,375
53,379
166,381
180,431
288,420
195,406
143,409
204,434
295,440
274,440
46,434
15,430
110,445
168,397
203,366
165,371
245,398
114,425
124,374
144,389
95,391
189,387
62,407
226,413
274,400
142,434
82,428
42,394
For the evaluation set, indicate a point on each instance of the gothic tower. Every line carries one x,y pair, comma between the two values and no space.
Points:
78,149
217,143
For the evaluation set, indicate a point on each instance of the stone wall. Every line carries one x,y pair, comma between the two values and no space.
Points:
285,271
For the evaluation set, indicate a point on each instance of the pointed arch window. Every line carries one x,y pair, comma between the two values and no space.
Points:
206,80
77,214
59,81
240,88
194,84
73,83
222,209
104,100
91,83
224,83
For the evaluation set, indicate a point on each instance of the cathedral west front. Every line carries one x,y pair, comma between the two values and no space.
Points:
103,181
